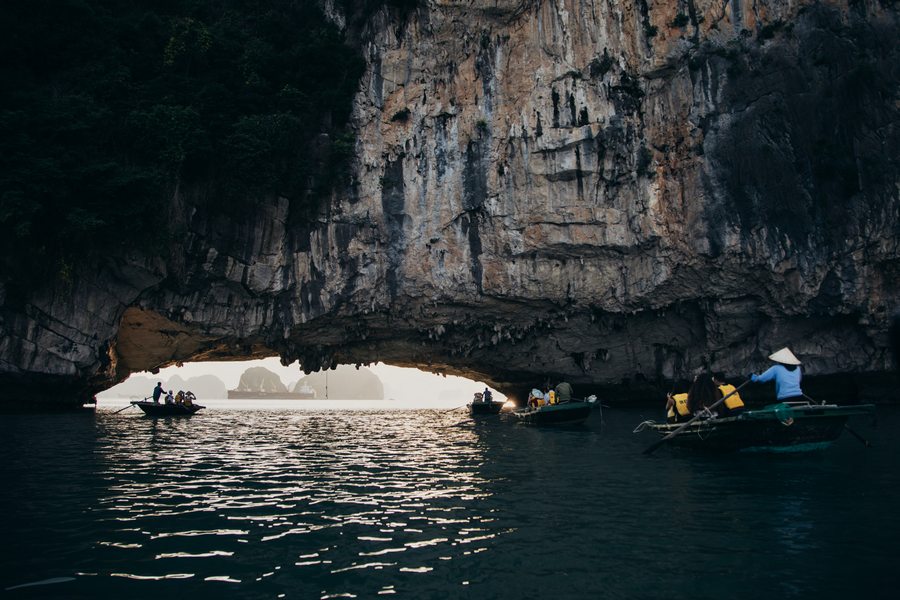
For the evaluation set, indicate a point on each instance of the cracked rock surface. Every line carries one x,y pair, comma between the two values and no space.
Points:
617,193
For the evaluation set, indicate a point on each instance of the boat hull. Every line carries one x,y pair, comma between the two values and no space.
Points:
154,409
484,408
570,413
775,428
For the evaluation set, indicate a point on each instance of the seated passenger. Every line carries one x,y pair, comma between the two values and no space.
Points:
535,398
734,404
189,398
179,397
563,392
676,408
702,395
169,398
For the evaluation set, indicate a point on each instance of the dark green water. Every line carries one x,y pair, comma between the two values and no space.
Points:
278,503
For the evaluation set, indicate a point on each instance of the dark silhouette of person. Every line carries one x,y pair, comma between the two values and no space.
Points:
703,393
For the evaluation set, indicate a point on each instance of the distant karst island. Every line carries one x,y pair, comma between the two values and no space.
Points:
259,383
138,387
342,383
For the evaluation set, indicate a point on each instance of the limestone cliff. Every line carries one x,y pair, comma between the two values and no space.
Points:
618,193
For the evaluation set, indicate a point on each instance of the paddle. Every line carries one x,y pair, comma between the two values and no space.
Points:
651,448
862,440
126,408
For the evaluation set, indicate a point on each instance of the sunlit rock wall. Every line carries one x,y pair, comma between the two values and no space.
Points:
617,193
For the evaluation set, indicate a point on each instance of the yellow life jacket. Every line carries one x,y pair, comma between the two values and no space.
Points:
734,401
552,397
680,405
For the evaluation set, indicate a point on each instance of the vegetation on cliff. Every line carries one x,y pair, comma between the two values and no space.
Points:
108,106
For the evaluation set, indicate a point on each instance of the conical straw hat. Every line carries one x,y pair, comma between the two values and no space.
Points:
785,357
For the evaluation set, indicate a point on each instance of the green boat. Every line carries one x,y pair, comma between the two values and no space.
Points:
484,408
783,427
567,413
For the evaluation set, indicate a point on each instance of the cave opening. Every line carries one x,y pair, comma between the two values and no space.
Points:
377,386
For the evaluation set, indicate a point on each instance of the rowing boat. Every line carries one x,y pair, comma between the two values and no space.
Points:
484,408
783,427
157,409
567,413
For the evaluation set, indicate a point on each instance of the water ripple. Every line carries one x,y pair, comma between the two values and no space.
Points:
358,504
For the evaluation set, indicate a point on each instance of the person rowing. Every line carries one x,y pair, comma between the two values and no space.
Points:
786,373
158,391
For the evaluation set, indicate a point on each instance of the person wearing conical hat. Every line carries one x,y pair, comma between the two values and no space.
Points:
785,372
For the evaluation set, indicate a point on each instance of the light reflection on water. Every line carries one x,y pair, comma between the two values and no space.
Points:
265,502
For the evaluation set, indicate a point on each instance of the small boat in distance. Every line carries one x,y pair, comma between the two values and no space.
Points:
161,409
485,408
567,413
782,427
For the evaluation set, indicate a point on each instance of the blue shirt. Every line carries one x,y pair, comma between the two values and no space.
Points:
787,383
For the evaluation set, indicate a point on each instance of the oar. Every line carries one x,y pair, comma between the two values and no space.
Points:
651,448
131,405
862,440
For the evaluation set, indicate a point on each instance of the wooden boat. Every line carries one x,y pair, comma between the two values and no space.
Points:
162,409
568,413
484,408
783,427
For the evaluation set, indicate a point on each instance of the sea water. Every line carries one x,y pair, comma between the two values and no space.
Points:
276,500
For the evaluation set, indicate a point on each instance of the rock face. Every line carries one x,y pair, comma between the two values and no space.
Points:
260,379
618,194
343,383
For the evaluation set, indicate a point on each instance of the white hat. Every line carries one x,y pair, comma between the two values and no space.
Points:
785,357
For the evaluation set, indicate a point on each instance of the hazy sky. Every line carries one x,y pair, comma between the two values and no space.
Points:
409,385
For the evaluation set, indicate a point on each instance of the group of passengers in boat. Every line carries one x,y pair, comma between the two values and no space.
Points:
550,395
706,390
181,398
484,396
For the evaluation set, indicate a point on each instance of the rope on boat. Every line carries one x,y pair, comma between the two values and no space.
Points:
701,435
643,425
